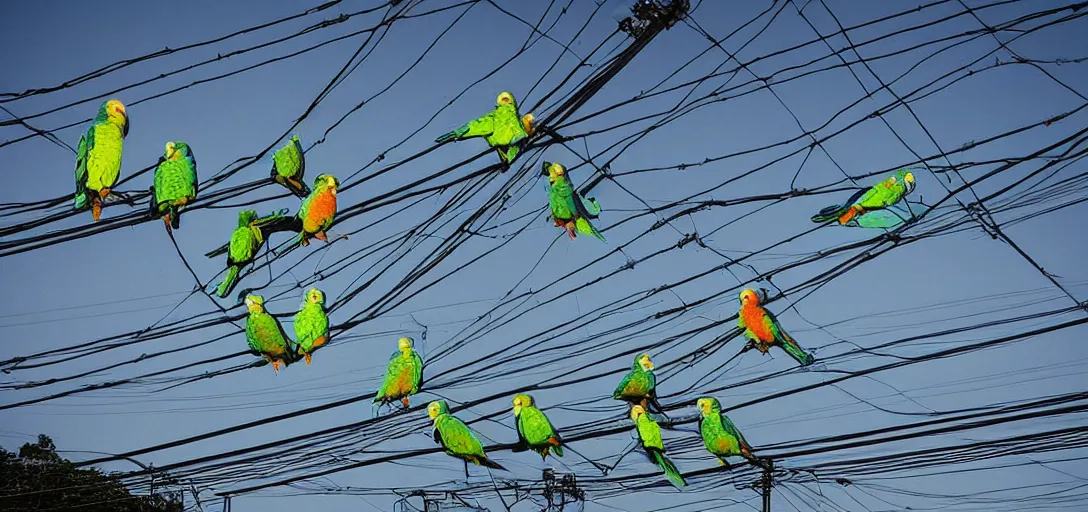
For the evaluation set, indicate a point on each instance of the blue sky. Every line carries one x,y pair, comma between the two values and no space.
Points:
131,278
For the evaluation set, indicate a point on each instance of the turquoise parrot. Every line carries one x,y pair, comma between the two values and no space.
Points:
569,209
289,167
404,375
639,385
649,436
318,210
720,436
311,324
266,336
456,438
763,329
503,129
98,160
246,240
877,197
175,183
534,429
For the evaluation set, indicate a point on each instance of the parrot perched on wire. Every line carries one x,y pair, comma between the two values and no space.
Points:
266,336
763,329
877,197
456,438
318,210
534,429
649,436
289,167
639,385
311,324
569,209
98,160
720,436
403,377
175,183
503,129
246,240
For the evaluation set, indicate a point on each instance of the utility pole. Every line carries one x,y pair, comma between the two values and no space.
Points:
767,482
557,491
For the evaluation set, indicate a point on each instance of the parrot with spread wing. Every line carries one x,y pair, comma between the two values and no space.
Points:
456,438
246,240
266,336
639,385
175,183
318,210
98,159
403,377
879,196
311,324
649,436
503,129
763,329
289,167
720,436
534,429
569,209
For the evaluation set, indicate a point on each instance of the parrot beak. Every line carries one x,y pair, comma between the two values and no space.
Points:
125,126
544,168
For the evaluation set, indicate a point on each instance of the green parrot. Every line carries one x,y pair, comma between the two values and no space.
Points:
456,438
877,197
289,167
503,129
720,436
98,160
311,324
649,435
534,429
175,183
764,331
403,377
639,385
246,240
569,209
266,336
318,210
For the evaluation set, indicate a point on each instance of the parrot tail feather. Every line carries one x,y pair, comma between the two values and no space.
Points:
228,282
795,351
556,448
830,212
670,469
482,460
585,227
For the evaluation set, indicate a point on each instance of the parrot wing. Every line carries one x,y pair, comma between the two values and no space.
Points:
618,393
86,142
417,364
733,431
650,433
578,203
480,127
457,438
886,218
788,344
522,444
192,169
